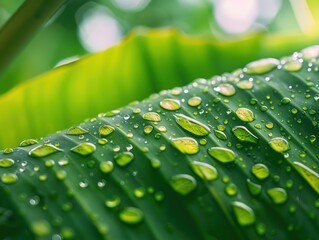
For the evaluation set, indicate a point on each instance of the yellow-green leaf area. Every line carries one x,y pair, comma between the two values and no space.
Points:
44,150
191,125
222,154
186,145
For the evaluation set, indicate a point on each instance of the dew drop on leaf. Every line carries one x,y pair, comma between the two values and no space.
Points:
220,135
260,171
131,215
277,195
170,104
225,89
75,131
112,202
9,178
204,170
152,116
183,183
311,52
44,150
124,158
106,167
61,175
279,144
285,100
253,188
41,228
244,214
262,66
231,189
312,138
245,114
106,130
243,134
309,175
245,85
191,125
194,101
84,148
8,151
6,162
222,154
148,129
28,142
139,192
293,66
186,145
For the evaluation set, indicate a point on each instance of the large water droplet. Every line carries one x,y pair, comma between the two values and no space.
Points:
191,125
75,131
183,183
170,104
226,89
124,158
84,148
293,66
152,116
243,134
260,170
245,114
222,154
6,162
106,130
244,214
262,66
186,145
253,188
309,175
311,52
277,195
9,178
28,142
131,215
245,85
204,170
194,101
279,144
44,150
106,167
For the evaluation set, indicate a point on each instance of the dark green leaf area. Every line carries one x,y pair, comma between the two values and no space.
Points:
162,172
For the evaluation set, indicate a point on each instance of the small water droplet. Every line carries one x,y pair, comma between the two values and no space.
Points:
139,192
6,162
170,104
245,84
186,145
61,175
277,195
131,215
204,170
76,131
102,141
253,188
44,150
112,202
245,114
225,89
221,154
106,130
243,134
49,163
260,170
41,228
285,100
194,101
159,196
28,142
293,66
262,66
152,116
260,229
231,189
312,138
244,214
155,163
8,151
148,129
183,183
191,125
279,144
84,148
106,167
124,158
220,135
309,175
9,178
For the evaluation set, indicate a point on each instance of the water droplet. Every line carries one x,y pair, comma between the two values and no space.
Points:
44,150
293,66
84,148
139,192
231,189
106,130
61,175
28,142
245,85
170,104
102,141
262,66
220,135
49,163
6,162
112,202
285,100
124,158
8,150
106,167
9,178
245,114
191,125
152,116
243,134
244,214
260,170
204,170
75,131
41,228
155,163
309,175
312,138
221,154
183,183
225,89
279,144
253,188
194,101
148,129
260,229
131,215
269,125
67,233
186,145
277,195
159,196
311,52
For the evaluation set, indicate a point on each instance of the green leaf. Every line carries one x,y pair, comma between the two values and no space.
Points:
139,182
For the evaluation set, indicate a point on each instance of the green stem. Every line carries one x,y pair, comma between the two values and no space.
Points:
23,25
